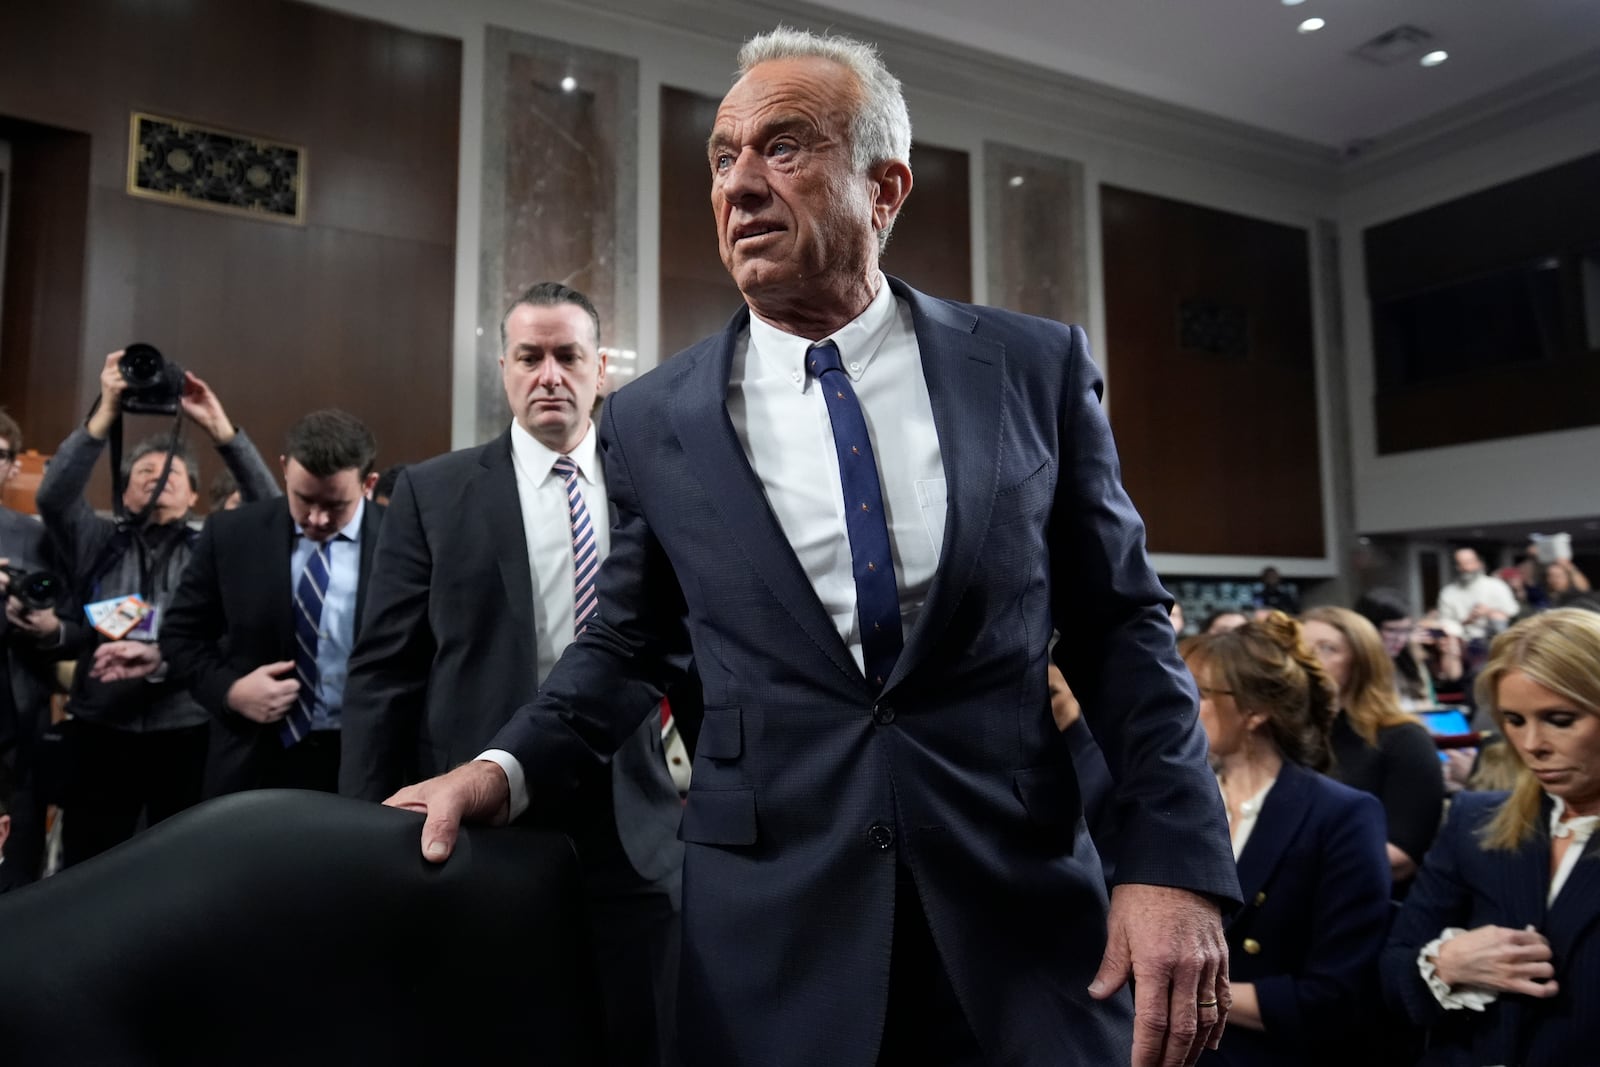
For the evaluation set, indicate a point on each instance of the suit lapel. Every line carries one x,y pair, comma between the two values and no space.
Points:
286,536
1282,815
1578,904
501,507
964,376
370,513
1528,877
699,414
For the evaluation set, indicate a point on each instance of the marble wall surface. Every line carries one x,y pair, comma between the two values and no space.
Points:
560,194
1034,210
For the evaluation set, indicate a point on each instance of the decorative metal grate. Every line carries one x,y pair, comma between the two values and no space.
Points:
197,166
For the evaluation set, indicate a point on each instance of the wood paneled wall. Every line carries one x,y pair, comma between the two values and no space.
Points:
1549,378
352,309
931,246
1219,452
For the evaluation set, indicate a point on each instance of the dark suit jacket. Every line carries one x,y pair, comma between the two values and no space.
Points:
1463,884
448,655
1315,879
233,611
24,541
809,788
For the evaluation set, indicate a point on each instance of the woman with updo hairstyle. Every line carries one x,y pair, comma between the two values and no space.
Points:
1497,949
1303,950
1377,748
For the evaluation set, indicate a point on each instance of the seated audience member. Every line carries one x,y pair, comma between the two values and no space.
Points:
1419,653
1378,748
1564,583
224,493
262,624
137,739
1303,951
1275,596
1220,622
1496,949
383,488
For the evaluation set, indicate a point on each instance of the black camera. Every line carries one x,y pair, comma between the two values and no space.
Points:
36,589
155,383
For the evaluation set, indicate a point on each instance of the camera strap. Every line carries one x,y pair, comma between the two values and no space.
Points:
119,483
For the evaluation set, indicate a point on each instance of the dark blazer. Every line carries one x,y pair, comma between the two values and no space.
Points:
1463,884
233,611
809,788
1315,879
448,655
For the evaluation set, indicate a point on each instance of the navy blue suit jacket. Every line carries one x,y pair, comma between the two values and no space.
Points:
1463,884
809,787
1315,879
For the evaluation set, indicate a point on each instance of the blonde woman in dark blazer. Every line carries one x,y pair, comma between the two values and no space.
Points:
1498,946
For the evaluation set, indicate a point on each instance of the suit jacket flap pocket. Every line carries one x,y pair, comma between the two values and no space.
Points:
1049,793
721,733
719,817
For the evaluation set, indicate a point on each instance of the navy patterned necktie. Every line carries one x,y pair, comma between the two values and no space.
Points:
877,597
309,593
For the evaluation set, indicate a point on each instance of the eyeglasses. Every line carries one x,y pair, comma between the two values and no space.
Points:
1208,693
7,455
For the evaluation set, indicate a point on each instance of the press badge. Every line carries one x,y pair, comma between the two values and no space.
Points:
119,617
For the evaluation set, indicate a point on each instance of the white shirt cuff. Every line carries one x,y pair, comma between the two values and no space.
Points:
1450,999
516,779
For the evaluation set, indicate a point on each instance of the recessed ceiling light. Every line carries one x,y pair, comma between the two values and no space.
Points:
1293,3
1016,181
1433,59
1312,25
568,84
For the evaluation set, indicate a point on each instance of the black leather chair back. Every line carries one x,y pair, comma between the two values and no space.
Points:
287,927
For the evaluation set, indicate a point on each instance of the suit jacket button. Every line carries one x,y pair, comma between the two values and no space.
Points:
882,714
1252,947
1261,898
880,836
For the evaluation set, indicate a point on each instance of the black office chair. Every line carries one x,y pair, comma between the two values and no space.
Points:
287,927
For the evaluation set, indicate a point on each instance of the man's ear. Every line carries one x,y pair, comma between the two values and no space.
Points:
368,484
891,181
5,832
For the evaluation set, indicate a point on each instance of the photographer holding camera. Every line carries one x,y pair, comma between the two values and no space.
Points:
137,743
37,626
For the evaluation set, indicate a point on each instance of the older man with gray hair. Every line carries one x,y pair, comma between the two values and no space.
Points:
863,510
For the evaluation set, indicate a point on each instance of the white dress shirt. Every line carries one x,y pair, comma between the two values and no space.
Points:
336,628
547,527
781,419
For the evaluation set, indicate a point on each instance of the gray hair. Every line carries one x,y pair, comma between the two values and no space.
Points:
880,129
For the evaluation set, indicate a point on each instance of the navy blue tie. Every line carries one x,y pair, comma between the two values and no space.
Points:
309,593
877,598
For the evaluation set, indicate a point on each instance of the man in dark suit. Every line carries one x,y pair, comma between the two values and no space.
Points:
485,572
268,609
863,510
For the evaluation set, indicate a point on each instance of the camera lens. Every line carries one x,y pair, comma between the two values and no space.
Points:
141,365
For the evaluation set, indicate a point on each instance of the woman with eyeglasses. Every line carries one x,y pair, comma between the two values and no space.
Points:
1303,950
1497,948
1377,748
